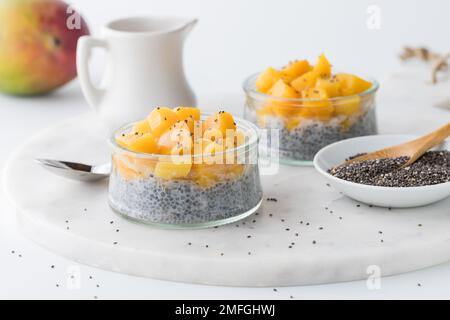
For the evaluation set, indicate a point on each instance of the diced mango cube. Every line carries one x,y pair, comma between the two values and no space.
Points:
266,79
200,145
223,121
283,108
322,67
178,135
213,153
235,140
351,84
318,106
169,170
187,112
213,134
123,168
348,106
161,119
305,81
141,127
295,69
144,143
330,85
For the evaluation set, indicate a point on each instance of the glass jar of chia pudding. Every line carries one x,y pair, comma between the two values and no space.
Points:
181,192
305,126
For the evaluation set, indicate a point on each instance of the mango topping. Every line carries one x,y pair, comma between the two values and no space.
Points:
316,88
186,145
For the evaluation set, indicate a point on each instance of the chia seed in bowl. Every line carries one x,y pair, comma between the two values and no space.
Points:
431,169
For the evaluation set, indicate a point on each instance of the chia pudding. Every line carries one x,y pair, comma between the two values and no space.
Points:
310,106
166,175
430,169
302,142
184,201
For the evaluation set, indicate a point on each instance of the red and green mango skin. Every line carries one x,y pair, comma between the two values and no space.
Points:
37,49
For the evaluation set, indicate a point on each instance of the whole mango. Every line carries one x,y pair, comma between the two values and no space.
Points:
38,40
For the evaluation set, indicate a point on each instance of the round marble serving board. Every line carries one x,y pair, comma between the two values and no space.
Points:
311,234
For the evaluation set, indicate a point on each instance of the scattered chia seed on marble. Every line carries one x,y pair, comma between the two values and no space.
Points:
432,168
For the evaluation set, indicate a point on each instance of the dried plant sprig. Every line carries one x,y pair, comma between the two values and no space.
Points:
438,61
439,65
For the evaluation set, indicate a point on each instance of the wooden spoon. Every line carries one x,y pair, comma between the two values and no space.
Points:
413,149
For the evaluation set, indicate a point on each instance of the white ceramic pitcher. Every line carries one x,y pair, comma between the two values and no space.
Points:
144,68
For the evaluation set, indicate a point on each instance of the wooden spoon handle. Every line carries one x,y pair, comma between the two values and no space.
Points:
429,141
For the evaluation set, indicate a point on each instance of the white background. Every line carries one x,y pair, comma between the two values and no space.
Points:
233,39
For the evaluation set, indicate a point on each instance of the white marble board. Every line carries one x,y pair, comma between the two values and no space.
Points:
310,235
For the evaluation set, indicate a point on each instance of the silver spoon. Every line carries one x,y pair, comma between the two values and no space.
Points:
76,171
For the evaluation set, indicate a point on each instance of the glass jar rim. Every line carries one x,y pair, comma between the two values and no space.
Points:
250,89
252,142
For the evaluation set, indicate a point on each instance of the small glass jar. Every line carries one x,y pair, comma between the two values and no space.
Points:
194,191
307,125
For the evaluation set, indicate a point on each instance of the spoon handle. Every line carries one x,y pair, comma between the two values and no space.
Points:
429,141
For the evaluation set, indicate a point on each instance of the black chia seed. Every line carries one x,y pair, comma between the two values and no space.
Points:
432,168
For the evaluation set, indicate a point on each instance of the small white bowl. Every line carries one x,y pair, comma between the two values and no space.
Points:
336,153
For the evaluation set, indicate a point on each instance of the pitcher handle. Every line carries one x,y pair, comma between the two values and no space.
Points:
85,45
